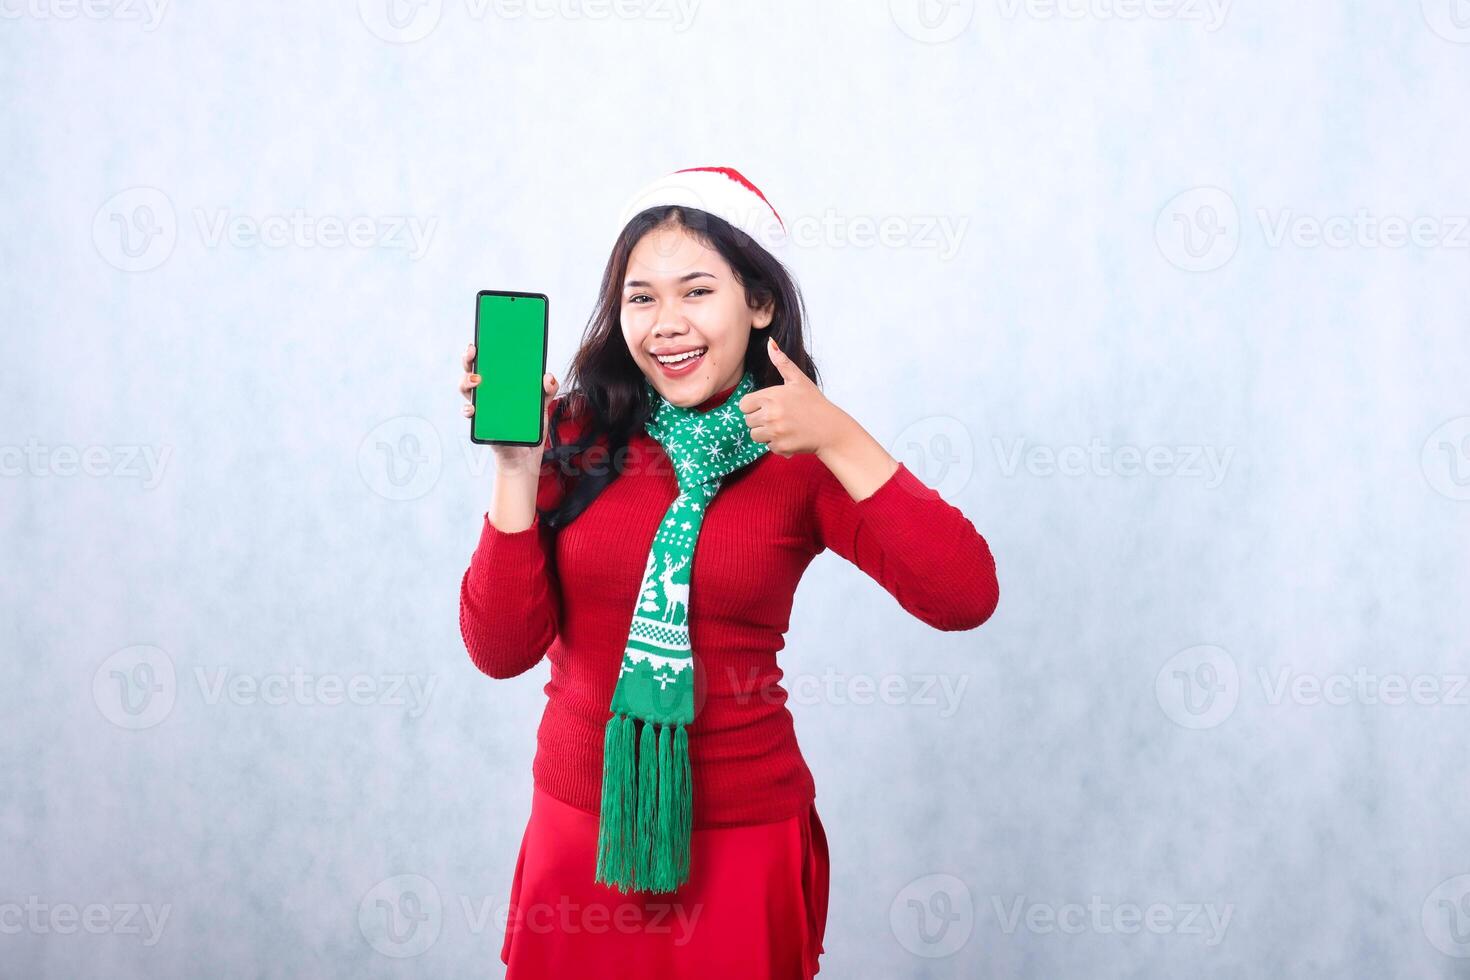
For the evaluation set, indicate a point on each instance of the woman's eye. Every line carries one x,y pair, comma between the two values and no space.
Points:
697,290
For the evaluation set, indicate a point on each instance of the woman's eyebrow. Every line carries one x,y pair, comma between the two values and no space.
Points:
684,278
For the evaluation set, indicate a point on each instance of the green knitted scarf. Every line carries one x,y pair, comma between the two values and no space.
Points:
647,804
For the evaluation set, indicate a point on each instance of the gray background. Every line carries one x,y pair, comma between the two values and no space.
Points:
1176,749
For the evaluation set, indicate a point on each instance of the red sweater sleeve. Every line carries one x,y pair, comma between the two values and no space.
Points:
509,606
909,539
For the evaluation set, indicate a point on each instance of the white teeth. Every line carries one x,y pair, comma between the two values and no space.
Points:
676,358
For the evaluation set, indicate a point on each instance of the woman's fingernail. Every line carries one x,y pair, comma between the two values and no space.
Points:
475,378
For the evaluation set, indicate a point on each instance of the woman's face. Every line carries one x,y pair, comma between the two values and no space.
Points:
681,296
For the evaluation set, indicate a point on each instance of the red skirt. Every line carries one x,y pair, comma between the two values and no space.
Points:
754,907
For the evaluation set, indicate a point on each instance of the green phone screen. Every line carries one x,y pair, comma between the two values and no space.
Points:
510,357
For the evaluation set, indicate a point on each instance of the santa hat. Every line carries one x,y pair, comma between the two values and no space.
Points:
720,191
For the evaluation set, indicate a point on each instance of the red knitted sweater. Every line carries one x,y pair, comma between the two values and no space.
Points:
569,596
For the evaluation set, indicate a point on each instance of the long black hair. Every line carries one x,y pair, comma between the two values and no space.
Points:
605,391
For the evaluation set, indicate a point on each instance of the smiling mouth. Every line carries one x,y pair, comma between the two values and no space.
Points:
680,358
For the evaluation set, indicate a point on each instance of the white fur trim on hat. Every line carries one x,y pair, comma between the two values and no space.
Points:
721,191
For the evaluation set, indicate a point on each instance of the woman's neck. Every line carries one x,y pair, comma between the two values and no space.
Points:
715,399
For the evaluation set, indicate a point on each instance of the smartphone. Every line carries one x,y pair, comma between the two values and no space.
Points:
510,358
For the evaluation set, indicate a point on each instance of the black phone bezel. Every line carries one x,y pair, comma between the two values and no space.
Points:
475,364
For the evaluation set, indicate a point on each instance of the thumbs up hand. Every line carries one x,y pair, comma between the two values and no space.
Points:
793,417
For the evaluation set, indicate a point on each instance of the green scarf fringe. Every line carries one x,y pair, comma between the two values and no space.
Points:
647,806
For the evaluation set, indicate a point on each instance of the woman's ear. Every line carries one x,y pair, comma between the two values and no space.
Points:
762,316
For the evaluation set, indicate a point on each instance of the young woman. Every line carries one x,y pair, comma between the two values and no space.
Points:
672,831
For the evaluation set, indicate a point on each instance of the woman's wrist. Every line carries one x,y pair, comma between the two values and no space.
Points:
513,507
859,461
